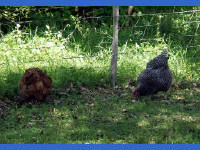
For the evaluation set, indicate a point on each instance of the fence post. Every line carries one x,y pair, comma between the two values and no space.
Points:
113,67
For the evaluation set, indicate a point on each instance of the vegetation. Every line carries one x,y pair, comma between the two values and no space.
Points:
76,54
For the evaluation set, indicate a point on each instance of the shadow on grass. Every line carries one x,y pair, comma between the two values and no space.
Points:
9,83
118,120
98,116
90,77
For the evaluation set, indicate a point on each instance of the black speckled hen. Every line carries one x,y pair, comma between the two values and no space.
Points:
156,77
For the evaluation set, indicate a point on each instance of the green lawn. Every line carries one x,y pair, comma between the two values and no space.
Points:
90,112
100,116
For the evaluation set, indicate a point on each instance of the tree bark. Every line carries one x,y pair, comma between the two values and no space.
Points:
130,10
113,68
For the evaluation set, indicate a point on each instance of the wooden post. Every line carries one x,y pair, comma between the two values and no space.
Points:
113,67
130,10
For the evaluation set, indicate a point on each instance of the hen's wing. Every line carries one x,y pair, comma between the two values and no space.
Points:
157,62
155,79
47,81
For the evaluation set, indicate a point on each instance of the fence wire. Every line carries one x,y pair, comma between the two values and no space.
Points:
101,17
133,27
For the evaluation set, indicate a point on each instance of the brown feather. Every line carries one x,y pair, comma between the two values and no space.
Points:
35,84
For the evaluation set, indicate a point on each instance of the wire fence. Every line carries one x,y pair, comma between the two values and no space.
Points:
100,17
147,29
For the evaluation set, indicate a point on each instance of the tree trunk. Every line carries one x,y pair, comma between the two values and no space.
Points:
113,68
130,10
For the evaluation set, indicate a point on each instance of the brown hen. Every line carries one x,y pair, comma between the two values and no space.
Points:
35,84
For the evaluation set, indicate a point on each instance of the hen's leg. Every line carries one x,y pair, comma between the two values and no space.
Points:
166,95
167,98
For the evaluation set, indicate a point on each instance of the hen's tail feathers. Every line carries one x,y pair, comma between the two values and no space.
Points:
165,53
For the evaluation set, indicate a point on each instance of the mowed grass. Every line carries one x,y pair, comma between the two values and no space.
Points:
100,116
82,108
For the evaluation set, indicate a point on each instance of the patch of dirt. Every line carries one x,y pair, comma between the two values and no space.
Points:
3,107
185,85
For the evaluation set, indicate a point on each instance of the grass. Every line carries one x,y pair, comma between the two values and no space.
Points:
91,112
99,116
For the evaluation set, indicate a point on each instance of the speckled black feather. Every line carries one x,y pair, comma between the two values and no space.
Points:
156,77
159,61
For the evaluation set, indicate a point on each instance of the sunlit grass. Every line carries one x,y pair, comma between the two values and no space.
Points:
97,116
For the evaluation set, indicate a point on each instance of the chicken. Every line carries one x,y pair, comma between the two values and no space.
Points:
156,77
35,84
